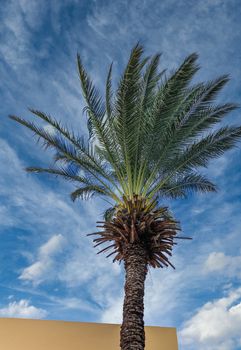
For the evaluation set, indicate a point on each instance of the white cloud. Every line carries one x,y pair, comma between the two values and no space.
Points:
216,325
54,245
22,309
218,262
39,270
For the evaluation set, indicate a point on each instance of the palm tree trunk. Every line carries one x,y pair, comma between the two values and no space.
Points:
132,335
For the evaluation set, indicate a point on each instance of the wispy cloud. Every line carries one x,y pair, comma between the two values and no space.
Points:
33,203
40,269
18,20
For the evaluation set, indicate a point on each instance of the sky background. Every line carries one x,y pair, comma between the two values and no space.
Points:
48,267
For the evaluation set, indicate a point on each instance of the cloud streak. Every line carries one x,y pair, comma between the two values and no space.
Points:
39,270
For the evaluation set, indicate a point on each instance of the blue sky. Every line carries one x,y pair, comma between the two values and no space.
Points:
48,268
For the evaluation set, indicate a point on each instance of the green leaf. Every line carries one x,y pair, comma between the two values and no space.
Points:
193,182
109,93
109,213
87,192
67,174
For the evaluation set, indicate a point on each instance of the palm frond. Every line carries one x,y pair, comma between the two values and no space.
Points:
167,101
201,121
199,97
193,116
66,152
95,106
67,173
109,213
88,191
211,146
184,133
98,127
170,94
193,182
84,149
200,152
77,141
151,78
195,109
148,87
214,87
126,110
109,93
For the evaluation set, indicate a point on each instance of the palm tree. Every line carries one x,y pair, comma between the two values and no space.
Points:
147,141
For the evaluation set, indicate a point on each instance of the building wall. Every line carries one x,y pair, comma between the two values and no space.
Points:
21,334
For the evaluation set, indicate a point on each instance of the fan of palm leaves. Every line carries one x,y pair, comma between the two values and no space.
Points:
147,140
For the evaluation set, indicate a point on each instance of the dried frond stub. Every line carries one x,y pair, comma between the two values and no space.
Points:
137,220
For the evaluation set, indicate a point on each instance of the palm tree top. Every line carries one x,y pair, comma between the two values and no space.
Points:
147,140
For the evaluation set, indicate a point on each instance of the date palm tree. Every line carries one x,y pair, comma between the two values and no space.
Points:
147,141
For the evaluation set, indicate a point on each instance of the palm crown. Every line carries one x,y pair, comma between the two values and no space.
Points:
146,140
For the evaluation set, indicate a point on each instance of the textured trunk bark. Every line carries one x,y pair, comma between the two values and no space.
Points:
132,335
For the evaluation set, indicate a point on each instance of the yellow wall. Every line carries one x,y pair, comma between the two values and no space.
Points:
19,334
